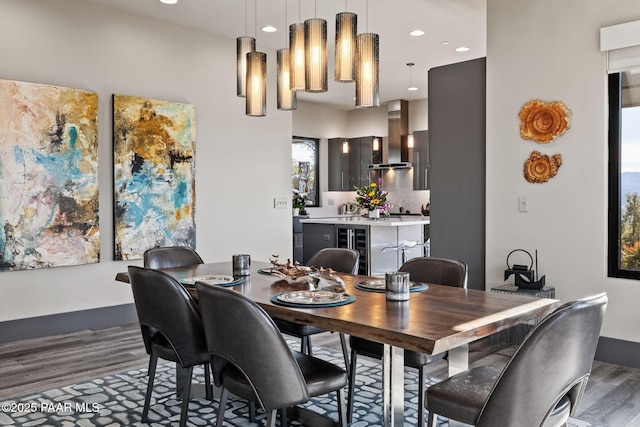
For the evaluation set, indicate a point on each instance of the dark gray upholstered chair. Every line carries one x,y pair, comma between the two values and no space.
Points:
341,260
252,360
170,256
541,385
171,329
439,271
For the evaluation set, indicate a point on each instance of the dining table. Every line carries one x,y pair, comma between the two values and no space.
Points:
433,320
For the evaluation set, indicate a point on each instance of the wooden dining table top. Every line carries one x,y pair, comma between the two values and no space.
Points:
432,321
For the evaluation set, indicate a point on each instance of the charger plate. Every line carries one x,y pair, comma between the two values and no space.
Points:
312,299
217,279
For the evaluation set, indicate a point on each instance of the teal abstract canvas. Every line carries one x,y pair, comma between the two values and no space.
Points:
48,176
154,175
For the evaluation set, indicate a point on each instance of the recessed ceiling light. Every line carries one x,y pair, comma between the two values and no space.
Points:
413,88
462,49
169,1
416,33
269,29
445,42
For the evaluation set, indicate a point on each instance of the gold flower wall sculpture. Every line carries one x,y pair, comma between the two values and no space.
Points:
543,121
540,168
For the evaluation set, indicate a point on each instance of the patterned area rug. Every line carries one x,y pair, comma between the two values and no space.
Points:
116,400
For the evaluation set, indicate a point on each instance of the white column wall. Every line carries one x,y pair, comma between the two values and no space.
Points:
549,50
242,163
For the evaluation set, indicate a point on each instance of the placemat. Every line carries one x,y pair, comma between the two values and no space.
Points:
275,300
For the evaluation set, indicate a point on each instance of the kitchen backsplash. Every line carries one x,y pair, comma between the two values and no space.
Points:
399,184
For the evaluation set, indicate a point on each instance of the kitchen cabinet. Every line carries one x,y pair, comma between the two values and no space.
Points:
369,238
419,156
316,237
298,242
338,168
349,170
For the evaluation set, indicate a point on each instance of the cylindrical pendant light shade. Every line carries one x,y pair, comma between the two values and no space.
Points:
244,45
367,71
296,53
315,38
346,29
256,102
287,99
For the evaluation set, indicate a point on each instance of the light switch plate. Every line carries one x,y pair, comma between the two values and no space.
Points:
280,203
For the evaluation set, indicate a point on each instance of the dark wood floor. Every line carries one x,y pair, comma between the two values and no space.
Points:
612,397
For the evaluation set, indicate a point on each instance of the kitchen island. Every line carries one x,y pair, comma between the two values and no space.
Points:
369,237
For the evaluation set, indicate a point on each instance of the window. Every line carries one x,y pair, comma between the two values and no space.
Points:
624,174
304,169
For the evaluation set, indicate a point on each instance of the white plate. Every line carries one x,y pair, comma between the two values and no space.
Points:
312,297
209,280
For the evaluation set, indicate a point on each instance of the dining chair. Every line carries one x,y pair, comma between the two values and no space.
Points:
170,256
441,271
252,360
543,382
171,330
342,260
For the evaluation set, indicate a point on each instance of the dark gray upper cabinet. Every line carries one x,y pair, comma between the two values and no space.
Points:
347,171
419,156
338,168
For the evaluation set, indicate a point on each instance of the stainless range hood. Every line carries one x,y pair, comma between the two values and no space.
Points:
398,127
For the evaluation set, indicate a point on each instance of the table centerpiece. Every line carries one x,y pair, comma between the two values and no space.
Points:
373,199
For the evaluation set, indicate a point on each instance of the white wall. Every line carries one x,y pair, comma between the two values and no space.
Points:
549,49
242,163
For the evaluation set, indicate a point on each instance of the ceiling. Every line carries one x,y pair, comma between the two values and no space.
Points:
447,24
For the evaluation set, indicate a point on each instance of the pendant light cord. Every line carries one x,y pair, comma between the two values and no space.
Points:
245,18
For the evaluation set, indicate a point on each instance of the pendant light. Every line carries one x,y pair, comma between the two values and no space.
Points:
315,48
256,100
367,69
411,89
244,45
287,98
296,54
345,48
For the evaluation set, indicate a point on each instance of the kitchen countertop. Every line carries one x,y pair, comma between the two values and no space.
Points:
384,221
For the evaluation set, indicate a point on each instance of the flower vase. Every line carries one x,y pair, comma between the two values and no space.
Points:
296,211
374,214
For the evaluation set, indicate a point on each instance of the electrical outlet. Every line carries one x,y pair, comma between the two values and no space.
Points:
280,203
330,202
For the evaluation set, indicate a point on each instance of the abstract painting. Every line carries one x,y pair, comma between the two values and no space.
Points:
154,175
48,176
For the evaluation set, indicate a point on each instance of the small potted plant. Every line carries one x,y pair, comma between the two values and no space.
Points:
299,203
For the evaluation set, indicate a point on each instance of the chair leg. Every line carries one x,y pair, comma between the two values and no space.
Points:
345,354
252,412
284,420
186,394
207,382
352,382
342,409
153,361
422,377
271,418
432,419
222,407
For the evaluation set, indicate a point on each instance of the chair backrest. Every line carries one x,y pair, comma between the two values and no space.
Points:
552,362
438,271
165,307
342,260
170,256
241,333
